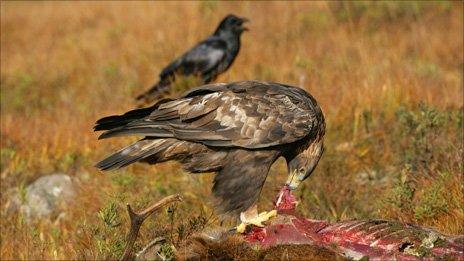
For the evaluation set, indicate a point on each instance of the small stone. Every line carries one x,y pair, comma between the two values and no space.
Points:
44,197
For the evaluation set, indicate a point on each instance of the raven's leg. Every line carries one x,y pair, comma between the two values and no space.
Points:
251,217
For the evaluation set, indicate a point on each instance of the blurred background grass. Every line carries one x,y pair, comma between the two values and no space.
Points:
388,76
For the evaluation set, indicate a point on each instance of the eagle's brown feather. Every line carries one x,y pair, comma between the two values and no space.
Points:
251,116
237,130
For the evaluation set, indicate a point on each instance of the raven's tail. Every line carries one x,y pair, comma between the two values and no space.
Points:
156,92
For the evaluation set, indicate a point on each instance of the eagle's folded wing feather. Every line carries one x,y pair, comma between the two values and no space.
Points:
229,116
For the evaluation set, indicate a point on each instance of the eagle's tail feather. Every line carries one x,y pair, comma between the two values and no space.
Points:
149,131
114,121
135,152
117,121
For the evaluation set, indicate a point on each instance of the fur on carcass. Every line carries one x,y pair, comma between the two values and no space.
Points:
291,236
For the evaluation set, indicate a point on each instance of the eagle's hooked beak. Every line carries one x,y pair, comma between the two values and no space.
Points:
301,166
294,179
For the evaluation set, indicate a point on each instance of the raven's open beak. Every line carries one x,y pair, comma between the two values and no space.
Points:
245,20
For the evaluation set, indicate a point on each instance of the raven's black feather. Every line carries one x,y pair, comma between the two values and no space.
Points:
206,60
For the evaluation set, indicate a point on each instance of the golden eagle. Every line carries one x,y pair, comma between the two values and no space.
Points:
207,59
237,130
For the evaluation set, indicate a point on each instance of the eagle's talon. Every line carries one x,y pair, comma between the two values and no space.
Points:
256,221
241,228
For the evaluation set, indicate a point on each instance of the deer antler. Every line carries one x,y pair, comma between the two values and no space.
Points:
137,219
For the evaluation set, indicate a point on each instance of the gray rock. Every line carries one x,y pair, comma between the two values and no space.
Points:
43,198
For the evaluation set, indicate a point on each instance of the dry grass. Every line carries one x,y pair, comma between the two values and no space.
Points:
64,65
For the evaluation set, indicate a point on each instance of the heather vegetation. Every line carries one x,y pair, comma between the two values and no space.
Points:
388,76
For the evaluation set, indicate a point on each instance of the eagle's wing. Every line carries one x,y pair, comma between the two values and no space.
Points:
201,59
245,114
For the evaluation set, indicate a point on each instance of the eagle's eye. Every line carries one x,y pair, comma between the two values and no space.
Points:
302,169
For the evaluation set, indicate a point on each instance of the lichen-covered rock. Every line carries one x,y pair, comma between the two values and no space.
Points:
44,197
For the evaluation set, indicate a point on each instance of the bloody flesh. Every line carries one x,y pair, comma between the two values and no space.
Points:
375,239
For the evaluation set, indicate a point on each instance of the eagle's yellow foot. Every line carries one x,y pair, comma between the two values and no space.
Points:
256,220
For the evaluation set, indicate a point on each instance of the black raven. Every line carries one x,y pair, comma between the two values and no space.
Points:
206,60
237,130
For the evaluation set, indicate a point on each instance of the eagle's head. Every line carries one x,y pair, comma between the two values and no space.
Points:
304,163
